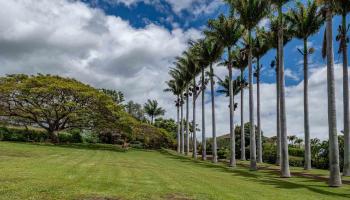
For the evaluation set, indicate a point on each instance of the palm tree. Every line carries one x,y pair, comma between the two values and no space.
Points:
177,75
188,68
343,7
261,45
227,32
250,14
272,36
334,179
176,90
207,52
240,62
153,110
285,172
305,21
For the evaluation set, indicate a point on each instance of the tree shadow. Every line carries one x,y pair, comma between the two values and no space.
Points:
265,176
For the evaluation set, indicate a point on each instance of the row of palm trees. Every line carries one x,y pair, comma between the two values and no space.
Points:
239,39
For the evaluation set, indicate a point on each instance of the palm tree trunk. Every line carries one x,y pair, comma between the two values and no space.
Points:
307,165
278,118
251,110
285,173
215,157
259,148
242,121
194,138
346,168
178,127
182,127
334,179
232,131
204,144
187,123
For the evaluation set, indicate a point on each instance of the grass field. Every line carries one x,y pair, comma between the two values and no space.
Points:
50,172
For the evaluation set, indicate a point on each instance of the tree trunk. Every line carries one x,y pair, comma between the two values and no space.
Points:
278,116
194,138
346,168
260,160
187,123
182,127
285,173
334,179
204,144
307,164
242,121
232,128
215,158
53,136
178,128
251,110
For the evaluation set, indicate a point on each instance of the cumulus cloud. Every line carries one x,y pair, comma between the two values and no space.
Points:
72,39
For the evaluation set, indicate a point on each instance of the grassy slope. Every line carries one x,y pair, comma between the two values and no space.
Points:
47,172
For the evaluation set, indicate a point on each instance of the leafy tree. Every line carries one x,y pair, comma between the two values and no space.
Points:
117,96
167,124
55,103
135,110
153,110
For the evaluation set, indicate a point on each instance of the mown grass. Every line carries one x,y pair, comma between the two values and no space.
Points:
49,172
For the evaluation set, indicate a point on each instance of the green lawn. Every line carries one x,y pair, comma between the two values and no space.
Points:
49,172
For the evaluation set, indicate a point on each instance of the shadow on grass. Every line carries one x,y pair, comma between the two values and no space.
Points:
94,147
266,176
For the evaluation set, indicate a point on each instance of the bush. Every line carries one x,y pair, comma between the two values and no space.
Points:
296,152
223,153
136,145
23,134
296,161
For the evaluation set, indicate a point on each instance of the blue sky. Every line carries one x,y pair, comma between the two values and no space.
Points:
129,45
161,13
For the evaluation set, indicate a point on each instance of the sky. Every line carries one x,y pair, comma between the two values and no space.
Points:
129,45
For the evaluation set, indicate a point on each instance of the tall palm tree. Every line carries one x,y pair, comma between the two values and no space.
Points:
272,36
186,64
260,47
153,110
343,8
176,90
305,21
334,179
240,61
207,52
285,172
227,31
251,12
178,78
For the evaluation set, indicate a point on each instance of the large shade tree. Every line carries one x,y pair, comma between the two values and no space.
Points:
305,21
227,31
55,103
251,12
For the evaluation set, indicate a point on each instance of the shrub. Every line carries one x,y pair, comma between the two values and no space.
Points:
223,153
296,161
19,134
296,152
